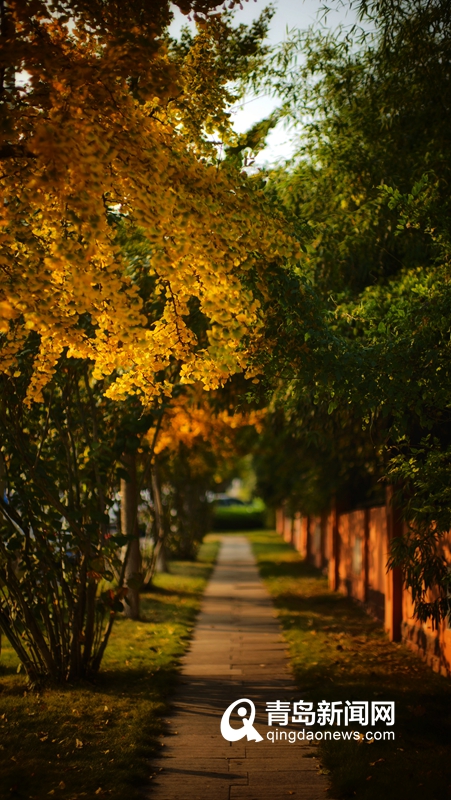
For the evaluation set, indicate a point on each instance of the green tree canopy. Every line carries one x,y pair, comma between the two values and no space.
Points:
362,388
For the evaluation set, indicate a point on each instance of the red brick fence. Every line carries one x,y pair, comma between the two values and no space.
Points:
352,550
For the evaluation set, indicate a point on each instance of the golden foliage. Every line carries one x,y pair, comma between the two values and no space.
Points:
193,422
192,419
106,123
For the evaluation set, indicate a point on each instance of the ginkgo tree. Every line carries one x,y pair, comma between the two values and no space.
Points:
107,120
202,435
106,143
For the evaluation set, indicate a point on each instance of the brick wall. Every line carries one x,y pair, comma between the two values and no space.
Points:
353,549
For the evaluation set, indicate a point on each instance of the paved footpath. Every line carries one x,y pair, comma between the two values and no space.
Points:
237,652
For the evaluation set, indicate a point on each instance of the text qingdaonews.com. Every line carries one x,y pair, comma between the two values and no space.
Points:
309,736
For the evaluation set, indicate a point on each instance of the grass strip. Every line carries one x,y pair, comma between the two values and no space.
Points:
95,739
338,652
239,517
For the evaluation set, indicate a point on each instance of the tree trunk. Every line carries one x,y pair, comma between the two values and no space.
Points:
160,550
129,527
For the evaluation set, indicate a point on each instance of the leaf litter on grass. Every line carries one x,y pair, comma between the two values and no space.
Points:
349,657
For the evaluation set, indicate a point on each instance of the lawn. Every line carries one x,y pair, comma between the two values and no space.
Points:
338,652
95,740
244,517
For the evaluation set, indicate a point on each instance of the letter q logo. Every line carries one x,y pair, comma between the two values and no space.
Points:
247,729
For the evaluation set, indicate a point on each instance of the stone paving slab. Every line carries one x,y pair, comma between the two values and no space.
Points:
281,764
237,652
307,792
